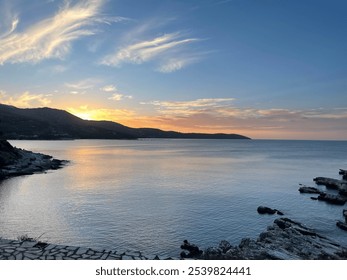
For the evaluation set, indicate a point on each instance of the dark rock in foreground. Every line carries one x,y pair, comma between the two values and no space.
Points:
17,162
306,189
333,199
193,250
267,210
343,172
342,225
331,183
284,240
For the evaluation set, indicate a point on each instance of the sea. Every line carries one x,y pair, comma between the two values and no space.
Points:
149,195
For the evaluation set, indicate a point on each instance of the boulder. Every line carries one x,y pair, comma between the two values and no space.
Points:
266,210
193,250
342,225
331,183
224,246
343,190
332,199
306,189
343,172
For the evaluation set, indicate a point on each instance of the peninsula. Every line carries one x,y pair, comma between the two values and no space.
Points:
16,162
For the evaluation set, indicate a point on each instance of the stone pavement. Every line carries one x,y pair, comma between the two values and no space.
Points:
34,250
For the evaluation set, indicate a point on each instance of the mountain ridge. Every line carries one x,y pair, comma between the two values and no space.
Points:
56,124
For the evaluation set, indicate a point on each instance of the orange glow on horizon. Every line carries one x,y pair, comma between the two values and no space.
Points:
190,125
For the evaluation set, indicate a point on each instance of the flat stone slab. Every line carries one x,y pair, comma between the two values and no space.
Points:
32,250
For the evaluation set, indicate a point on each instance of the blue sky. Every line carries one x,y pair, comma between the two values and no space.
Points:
263,68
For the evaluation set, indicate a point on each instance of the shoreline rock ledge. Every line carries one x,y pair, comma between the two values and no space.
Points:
17,162
284,240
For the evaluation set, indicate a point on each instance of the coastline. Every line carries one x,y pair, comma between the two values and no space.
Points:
18,162
285,239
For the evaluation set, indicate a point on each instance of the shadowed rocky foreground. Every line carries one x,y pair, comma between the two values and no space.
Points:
284,240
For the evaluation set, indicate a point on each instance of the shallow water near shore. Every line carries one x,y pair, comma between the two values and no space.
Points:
150,195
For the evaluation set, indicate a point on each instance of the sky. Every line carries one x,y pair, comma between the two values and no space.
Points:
267,69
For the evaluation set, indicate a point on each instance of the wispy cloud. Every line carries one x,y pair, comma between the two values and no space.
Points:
83,84
25,100
109,88
165,49
191,107
175,64
51,37
116,96
119,97
12,25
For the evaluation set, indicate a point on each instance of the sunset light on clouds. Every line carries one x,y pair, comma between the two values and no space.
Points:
262,68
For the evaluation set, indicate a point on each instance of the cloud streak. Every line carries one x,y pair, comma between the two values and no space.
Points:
116,96
83,84
186,108
25,100
163,48
51,37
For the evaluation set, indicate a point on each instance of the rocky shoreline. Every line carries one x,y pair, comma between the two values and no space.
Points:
285,239
18,162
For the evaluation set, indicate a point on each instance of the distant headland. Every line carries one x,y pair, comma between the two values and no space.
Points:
53,124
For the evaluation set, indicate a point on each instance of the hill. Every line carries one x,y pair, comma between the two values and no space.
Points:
50,124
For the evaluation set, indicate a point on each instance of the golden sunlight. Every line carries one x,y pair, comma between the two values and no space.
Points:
116,115
84,116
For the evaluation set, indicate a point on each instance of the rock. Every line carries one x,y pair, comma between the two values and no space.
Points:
17,162
8,154
342,225
344,213
331,183
224,246
213,253
343,191
266,210
285,240
332,199
306,189
343,172
193,250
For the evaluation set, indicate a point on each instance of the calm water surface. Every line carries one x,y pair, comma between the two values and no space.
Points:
150,195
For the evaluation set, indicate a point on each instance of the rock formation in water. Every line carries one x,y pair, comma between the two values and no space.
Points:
284,240
16,162
266,210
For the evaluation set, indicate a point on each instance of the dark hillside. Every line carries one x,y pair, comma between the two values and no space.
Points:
50,124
